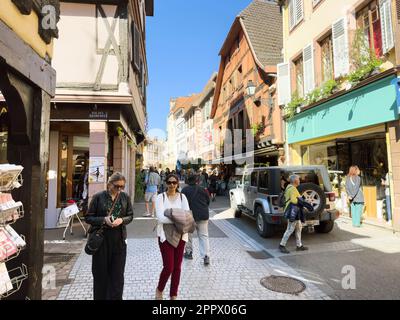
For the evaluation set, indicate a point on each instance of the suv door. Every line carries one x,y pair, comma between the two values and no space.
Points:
251,191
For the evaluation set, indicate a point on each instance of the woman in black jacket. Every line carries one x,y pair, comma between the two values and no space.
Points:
112,211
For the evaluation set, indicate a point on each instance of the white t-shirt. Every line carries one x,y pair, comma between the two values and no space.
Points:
163,203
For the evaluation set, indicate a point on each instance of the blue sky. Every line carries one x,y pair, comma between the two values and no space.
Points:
183,41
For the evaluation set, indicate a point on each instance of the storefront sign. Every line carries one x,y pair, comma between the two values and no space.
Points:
96,169
98,115
373,104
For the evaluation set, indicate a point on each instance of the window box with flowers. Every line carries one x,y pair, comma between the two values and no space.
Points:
365,65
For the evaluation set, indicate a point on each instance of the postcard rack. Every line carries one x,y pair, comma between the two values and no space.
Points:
11,214
11,243
17,276
12,254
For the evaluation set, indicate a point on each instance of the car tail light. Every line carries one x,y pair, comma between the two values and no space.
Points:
331,196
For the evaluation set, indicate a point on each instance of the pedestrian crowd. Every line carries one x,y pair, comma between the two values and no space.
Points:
180,212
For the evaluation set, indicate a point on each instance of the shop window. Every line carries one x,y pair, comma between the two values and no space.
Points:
263,180
368,20
299,73
320,154
80,168
64,169
327,58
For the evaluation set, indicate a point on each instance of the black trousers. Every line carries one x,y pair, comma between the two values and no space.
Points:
108,266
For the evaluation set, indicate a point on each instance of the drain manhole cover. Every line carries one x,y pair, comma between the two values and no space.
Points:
283,284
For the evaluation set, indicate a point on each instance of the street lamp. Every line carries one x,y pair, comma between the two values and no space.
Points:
251,88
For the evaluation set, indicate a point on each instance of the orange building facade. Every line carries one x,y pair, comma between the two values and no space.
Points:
245,95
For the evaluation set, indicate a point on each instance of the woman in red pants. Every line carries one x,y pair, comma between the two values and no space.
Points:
172,257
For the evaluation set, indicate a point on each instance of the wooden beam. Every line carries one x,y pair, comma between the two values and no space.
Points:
21,57
110,40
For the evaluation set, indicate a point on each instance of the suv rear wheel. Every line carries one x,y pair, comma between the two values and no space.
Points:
264,229
314,195
324,226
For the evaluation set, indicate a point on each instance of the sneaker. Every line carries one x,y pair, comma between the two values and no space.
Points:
283,249
206,260
302,248
159,295
188,255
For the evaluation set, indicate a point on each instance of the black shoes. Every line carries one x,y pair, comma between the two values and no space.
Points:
188,255
283,249
302,248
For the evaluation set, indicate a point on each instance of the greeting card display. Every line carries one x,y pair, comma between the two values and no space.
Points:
7,245
9,174
11,242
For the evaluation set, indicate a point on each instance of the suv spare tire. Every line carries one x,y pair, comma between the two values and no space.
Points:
314,195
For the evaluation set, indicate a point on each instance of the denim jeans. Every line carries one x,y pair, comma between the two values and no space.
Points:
291,227
202,233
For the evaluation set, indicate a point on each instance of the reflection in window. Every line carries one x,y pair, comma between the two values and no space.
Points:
63,168
298,66
327,59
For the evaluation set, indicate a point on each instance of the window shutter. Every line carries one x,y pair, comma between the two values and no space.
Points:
299,11
292,16
308,67
284,94
340,47
386,25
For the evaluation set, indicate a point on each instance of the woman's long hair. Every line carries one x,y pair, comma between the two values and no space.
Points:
353,171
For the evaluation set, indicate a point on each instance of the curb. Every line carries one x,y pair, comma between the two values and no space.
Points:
371,223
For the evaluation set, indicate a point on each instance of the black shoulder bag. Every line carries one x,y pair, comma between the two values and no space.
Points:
96,238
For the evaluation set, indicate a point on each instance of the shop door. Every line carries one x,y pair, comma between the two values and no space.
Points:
73,166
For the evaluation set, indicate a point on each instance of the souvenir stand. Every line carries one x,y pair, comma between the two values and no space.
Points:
11,243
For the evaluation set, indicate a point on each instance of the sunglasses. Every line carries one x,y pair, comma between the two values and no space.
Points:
118,186
172,182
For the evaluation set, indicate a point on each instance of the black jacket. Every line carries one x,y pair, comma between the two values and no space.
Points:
98,210
198,201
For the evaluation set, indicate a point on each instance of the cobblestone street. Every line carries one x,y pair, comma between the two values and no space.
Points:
228,277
